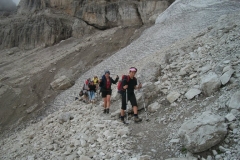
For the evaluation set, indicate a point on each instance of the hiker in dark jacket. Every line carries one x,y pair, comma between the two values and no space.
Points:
91,91
106,90
130,84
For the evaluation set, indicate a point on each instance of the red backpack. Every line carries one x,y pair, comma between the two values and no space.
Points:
120,84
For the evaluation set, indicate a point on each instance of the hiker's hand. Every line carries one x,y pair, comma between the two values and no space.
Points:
140,85
125,87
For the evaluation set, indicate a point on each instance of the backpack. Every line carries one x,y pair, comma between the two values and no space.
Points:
120,84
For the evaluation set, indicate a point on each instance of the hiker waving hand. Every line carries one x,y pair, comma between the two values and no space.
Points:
105,85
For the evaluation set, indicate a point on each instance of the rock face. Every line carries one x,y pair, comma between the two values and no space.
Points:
36,31
202,133
61,83
7,5
44,23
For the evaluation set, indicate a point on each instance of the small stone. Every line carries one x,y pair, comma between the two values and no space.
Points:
173,96
222,149
174,141
209,157
214,152
226,76
145,157
192,93
218,157
119,151
230,117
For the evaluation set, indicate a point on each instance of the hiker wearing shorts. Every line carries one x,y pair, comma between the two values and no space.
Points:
130,84
106,90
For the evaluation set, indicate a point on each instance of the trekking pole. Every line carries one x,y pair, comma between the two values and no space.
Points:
144,105
127,107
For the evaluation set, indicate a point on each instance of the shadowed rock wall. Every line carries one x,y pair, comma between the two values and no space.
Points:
47,22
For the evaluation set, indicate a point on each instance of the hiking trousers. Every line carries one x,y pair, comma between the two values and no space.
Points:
131,98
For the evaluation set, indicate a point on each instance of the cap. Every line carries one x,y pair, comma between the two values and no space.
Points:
133,69
107,72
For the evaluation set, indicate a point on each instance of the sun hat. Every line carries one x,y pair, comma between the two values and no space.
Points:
133,69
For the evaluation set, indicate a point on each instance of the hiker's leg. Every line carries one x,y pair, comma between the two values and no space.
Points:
135,109
105,102
133,101
93,95
108,100
89,95
123,104
104,99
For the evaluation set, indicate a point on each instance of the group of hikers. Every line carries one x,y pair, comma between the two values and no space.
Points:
126,87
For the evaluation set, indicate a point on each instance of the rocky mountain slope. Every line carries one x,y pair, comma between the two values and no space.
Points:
191,80
29,63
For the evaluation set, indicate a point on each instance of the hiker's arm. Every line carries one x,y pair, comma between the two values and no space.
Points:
138,86
124,84
101,83
116,80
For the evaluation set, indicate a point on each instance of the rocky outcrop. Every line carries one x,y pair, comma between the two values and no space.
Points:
44,23
36,31
61,83
103,14
7,5
7,8
203,133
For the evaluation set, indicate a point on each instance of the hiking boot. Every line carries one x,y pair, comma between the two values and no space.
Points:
107,111
137,119
123,121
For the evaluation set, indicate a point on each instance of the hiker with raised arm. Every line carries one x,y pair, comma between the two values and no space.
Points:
129,83
106,90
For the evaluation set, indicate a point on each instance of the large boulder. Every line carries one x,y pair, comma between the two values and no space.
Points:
210,83
203,132
141,100
147,94
62,83
235,101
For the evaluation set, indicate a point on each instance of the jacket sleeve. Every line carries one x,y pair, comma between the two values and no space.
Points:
101,83
114,81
